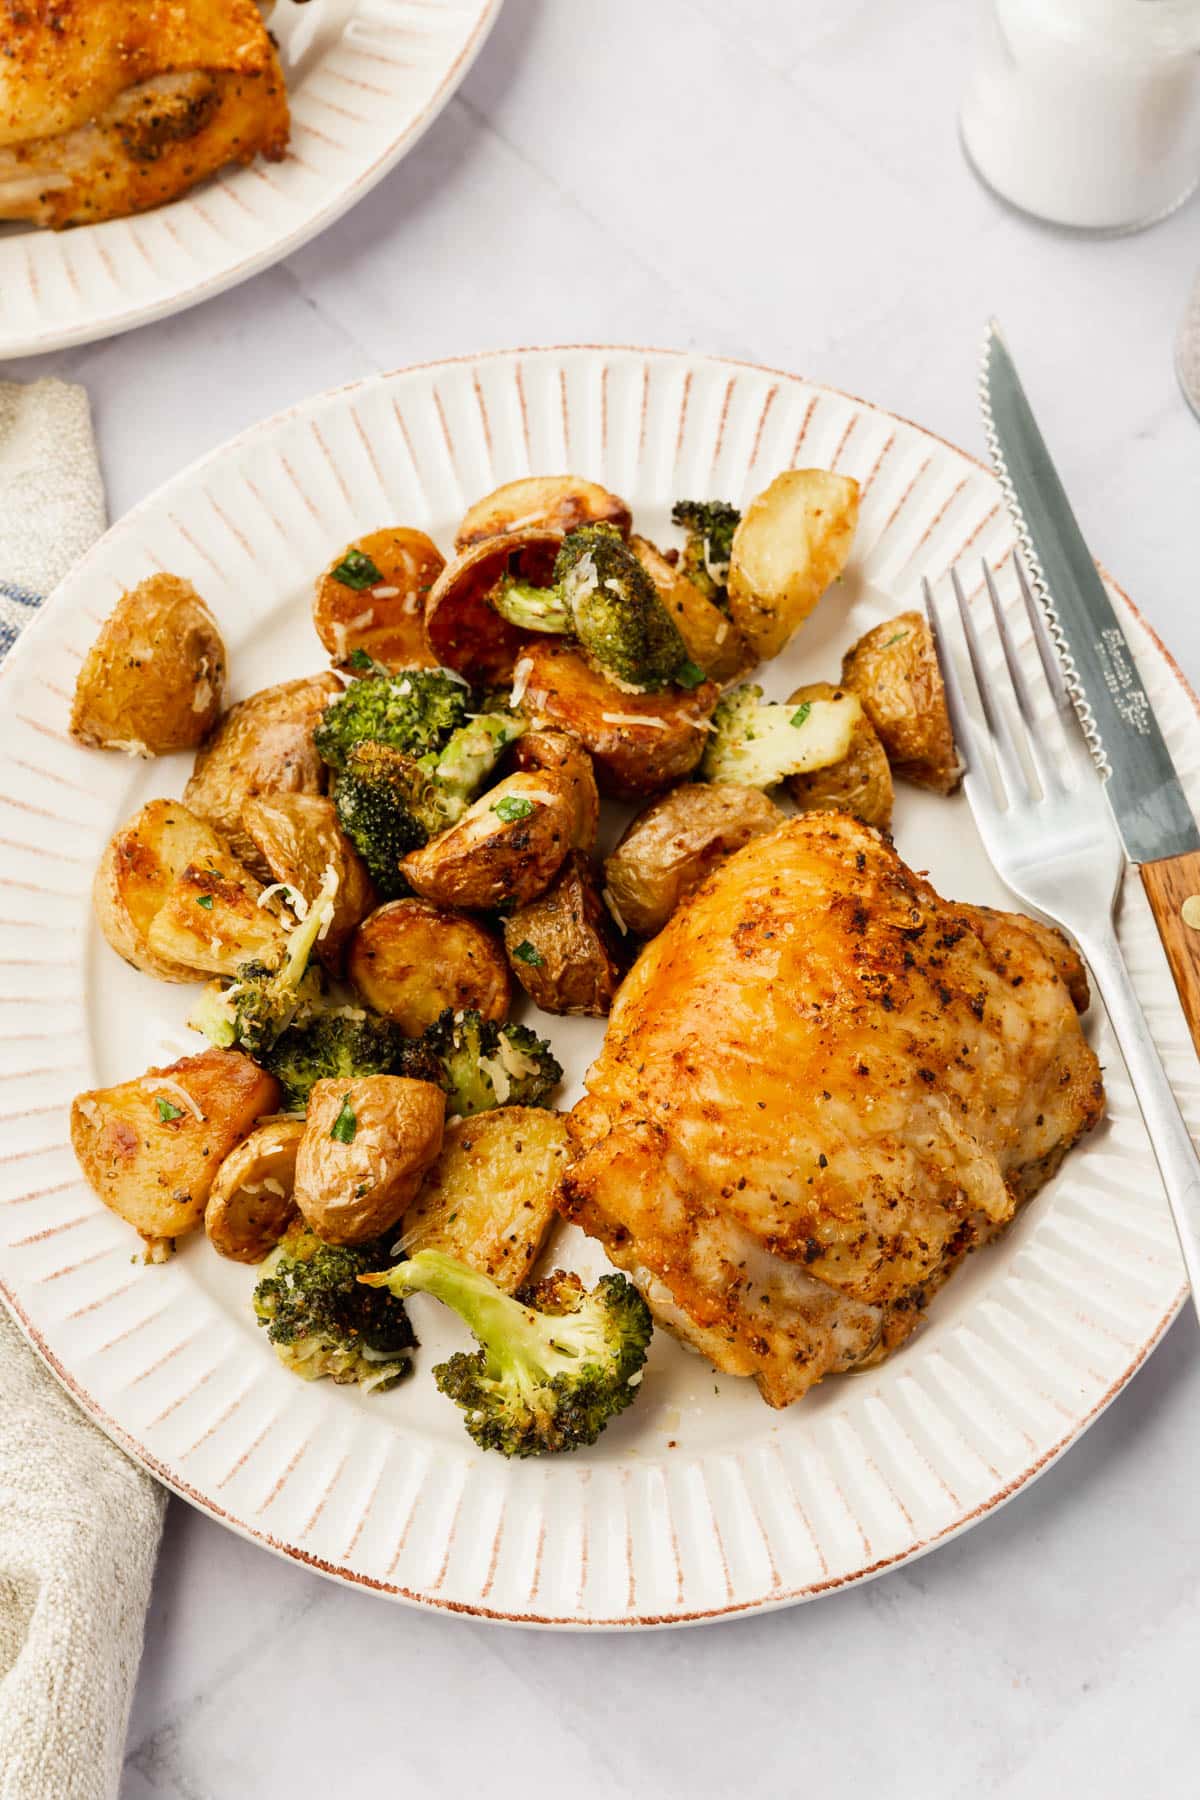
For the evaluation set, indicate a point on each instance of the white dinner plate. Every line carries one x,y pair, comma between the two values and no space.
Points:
700,1502
365,79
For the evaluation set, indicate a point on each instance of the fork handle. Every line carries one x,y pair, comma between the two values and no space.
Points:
1174,1152
1173,890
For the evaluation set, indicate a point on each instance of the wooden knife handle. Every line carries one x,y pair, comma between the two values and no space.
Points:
1173,890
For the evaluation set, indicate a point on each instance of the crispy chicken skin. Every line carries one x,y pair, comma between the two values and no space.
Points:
821,1086
108,107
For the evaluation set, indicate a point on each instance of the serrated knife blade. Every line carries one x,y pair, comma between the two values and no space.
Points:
1143,788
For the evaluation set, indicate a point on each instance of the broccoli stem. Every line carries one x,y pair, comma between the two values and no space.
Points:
532,608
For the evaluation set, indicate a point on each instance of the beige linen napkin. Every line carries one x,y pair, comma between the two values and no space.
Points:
79,1523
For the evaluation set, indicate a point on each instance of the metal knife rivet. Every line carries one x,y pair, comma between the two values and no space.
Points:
1189,912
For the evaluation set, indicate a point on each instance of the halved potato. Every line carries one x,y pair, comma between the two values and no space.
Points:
366,1145
671,847
300,838
251,1204
411,960
562,946
372,598
713,641
136,872
505,850
894,671
559,503
793,541
465,633
489,1197
639,743
153,680
263,745
211,922
151,1148
861,783
562,755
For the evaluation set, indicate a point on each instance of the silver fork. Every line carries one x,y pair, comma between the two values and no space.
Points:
1040,807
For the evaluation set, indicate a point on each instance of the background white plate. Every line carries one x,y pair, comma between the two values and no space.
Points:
700,1502
365,79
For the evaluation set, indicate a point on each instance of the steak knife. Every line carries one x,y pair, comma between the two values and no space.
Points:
1143,788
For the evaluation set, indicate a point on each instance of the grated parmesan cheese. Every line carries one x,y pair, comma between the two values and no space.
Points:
634,719
158,1082
361,619
497,1074
341,647
385,593
722,632
615,910
521,673
90,1111
202,698
294,899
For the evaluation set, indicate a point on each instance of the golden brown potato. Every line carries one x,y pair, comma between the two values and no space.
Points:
671,846
489,1197
372,598
562,946
299,838
793,541
151,1148
251,1204
563,756
410,960
559,503
367,1143
464,631
894,671
505,850
153,680
639,743
211,922
263,745
860,784
713,641
136,872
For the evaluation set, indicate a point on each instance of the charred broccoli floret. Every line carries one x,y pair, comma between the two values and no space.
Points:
485,1065
757,742
414,712
323,1320
387,806
338,1045
555,1362
710,525
468,757
262,1002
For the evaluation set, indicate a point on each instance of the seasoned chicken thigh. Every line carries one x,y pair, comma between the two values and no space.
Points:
822,1085
108,107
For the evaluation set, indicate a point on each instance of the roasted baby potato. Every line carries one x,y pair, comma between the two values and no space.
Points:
210,920
372,598
489,1197
671,846
151,1148
559,503
411,960
465,632
299,838
366,1146
562,946
860,784
794,539
136,872
505,850
564,757
713,641
263,745
153,680
894,671
639,743
251,1204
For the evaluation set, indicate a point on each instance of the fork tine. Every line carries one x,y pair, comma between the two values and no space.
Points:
1041,637
1044,763
965,735
1015,779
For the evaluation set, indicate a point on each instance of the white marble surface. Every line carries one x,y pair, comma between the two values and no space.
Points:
779,180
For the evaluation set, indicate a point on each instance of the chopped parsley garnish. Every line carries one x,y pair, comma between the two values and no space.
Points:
167,1111
358,659
896,638
206,901
689,675
345,1126
801,713
512,807
357,571
529,953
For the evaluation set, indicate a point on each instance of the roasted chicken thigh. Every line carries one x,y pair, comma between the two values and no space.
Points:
822,1085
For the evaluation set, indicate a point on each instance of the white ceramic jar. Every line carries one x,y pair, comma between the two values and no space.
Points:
1087,112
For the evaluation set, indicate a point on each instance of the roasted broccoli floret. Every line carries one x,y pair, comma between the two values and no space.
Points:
323,1320
338,1045
262,1002
555,1362
414,712
387,805
468,757
485,1065
757,742
710,525
603,596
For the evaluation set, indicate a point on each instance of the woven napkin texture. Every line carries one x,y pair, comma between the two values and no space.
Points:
79,1523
